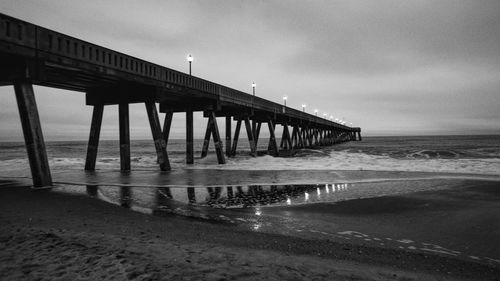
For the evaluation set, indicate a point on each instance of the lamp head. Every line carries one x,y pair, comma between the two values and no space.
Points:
190,58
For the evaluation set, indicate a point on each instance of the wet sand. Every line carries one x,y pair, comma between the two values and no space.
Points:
464,219
55,236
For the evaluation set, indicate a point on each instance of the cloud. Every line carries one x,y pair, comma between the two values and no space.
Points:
387,66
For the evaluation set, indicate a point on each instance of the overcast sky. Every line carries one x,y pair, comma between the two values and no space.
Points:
390,67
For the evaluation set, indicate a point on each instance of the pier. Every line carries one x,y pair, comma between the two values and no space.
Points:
33,55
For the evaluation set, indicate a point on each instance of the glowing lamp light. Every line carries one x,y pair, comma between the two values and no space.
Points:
304,107
316,112
288,201
190,60
284,100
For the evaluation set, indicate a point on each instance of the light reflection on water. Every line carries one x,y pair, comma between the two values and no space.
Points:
205,201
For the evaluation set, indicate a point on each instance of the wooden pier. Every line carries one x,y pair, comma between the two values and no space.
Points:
33,55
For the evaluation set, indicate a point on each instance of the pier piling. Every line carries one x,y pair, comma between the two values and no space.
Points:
95,131
32,131
124,122
159,141
189,137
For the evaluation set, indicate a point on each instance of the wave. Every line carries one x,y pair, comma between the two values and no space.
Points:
343,160
421,161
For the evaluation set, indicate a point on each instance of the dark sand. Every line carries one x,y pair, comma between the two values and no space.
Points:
54,236
465,218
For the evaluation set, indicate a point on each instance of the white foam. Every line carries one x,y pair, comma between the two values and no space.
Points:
336,160
342,160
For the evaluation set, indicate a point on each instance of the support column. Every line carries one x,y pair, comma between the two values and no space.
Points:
160,144
273,146
236,136
299,134
189,137
228,136
217,140
124,136
206,140
95,130
32,131
304,137
359,136
251,139
256,133
286,141
254,127
166,126
294,137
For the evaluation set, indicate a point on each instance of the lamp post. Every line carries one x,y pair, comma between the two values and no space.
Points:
190,60
284,100
316,112
253,87
324,115
303,107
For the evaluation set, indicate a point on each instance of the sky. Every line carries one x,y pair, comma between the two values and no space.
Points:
389,67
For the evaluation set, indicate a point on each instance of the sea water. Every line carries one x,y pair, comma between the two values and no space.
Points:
243,190
478,155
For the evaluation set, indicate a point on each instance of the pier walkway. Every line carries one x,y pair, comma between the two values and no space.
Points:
33,55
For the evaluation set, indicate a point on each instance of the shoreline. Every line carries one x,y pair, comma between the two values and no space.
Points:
41,226
198,177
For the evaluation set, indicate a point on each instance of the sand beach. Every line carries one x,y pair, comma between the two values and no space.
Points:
49,235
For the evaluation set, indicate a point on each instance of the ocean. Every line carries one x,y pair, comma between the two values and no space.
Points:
302,195
475,155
